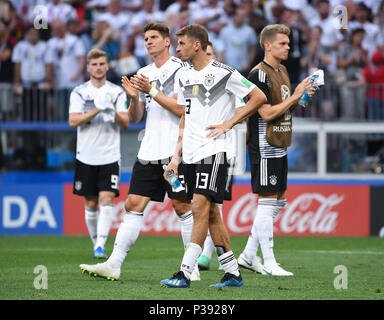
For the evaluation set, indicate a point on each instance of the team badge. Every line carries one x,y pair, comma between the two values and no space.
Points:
273,180
78,185
153,84
209,80
285,92
195,90
164,75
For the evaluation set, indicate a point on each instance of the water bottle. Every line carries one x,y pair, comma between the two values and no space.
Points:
174,181
304,100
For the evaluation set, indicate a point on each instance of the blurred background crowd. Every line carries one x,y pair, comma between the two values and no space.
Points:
44,43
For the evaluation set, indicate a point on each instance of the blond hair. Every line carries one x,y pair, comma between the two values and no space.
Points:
95,54
269,33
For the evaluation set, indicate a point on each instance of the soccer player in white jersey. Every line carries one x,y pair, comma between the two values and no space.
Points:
98,109
157,147
208,89
269,136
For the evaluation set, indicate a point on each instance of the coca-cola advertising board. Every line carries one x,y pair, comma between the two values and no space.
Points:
312,210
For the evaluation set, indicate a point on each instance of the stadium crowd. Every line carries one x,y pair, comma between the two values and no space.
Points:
44,44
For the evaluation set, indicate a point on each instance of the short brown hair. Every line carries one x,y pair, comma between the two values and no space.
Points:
95,54
269,32
157,26
196,32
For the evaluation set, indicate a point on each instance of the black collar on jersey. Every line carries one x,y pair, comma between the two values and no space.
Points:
278,68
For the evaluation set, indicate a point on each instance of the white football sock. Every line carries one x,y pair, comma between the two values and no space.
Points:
91,222
209,246
186,223
280,205
264,228
191,254
126,236
104,224
229,263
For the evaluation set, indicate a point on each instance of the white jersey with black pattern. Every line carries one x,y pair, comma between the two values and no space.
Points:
98,142
209,96
161,126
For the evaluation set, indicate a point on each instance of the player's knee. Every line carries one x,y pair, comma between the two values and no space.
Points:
135,203
180,206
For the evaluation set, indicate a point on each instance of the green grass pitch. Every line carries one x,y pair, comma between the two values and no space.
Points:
311,259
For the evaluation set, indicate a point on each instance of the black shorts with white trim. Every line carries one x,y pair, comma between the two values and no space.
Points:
91,179
147,180
269,174
208,177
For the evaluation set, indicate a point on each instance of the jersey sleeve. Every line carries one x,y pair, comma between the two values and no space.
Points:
121,102
76,102
238,85
260,79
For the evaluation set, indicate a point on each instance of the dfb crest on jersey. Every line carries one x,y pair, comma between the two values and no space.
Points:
285,93
209,80
164,75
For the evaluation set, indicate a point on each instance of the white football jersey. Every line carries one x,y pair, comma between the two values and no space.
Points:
209,96
161,126
98,142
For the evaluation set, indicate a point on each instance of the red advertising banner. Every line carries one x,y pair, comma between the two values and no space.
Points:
318,210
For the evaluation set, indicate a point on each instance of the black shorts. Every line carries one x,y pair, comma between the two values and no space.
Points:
90,179
269,175
147,180
207,177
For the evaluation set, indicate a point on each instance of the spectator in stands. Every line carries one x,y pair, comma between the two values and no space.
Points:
29,57
352,58
314,57
59,10
239,40
178,15
214,18
31,155
149,13
66,63
293,19
372,40
373,76
8,13
379,20
108,39
119,19
6,70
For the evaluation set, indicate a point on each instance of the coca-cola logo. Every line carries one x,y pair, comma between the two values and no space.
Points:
159,217
309,212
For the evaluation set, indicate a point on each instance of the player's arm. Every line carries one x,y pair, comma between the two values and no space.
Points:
270,112
77,119
122,119
256,98
136,107
76,115
141,83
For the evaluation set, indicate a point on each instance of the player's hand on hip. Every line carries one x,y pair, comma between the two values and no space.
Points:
216,130
141,83
128,87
